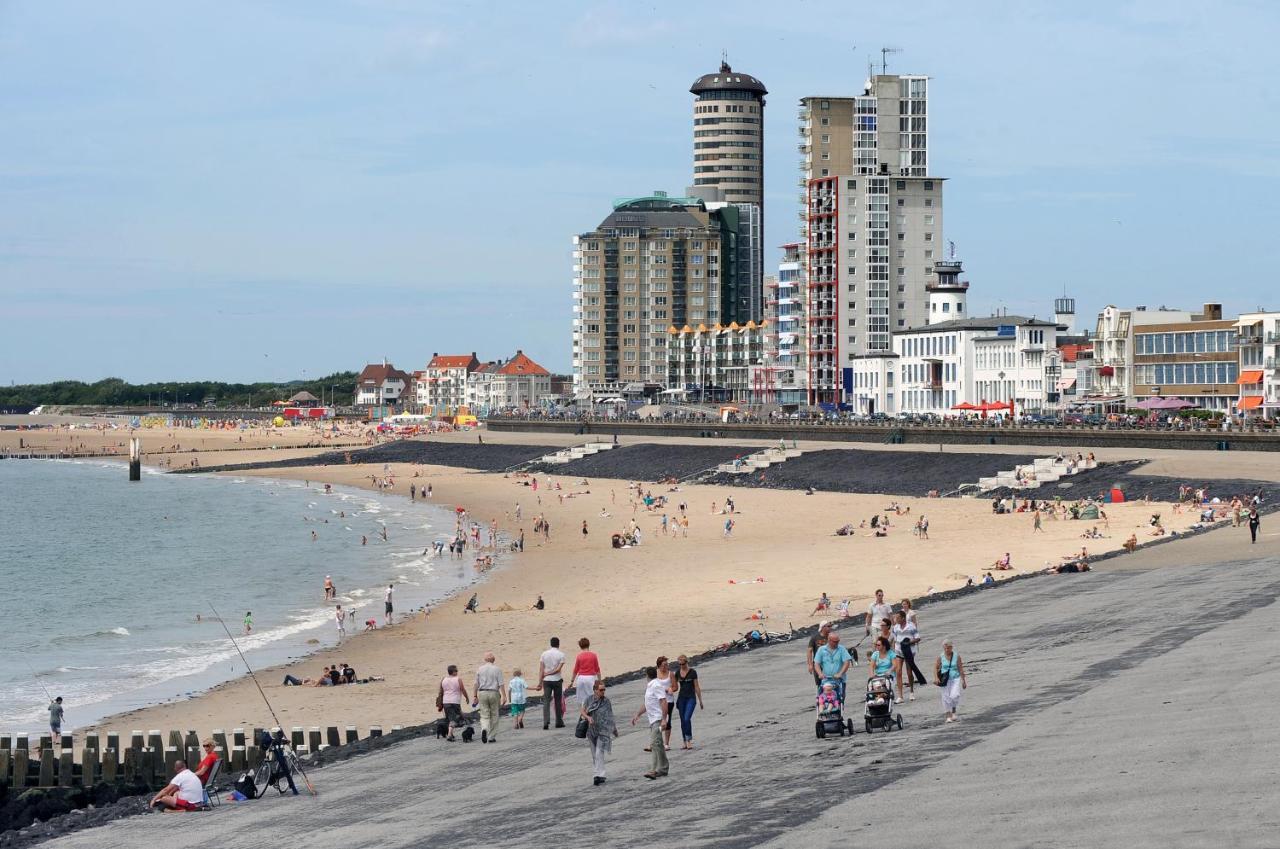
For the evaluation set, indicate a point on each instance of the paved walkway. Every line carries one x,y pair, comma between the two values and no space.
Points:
1130,707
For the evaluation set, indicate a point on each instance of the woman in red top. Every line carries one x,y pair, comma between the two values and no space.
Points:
206,763
586,670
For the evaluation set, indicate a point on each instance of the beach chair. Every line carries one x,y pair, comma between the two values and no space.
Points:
212,797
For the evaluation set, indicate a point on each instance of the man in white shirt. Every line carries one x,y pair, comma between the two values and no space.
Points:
388,606
877,611
551,683
184,792
655,699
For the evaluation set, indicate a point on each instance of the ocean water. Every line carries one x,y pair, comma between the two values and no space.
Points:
102,579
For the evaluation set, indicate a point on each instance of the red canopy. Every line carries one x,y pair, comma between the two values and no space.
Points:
964,405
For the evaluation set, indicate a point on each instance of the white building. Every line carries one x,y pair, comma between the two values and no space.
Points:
380,384
782,376
446,386
519,383
1258,337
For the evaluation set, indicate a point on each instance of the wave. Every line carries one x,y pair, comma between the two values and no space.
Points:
108,632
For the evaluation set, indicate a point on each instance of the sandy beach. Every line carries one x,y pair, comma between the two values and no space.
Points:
670,595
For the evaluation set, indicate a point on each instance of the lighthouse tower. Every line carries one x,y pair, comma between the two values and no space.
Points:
948,294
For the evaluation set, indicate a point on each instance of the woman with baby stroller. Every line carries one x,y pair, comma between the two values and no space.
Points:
878,711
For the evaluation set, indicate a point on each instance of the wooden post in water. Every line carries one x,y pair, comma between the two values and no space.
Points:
135,458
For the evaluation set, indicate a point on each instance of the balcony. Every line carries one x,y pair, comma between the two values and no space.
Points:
1249,339
1273,338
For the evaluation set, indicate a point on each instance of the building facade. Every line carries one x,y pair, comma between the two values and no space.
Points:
447,382
519,384
716,363
1142,353
1258,340
872,222
380,384
654,262
936,367
781,378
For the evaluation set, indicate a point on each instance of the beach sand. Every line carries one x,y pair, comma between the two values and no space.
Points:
670,595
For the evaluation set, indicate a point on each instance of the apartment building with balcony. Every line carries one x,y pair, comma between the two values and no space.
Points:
654,262
1258,342
781,377
1188,355
871,223
716,363
447,382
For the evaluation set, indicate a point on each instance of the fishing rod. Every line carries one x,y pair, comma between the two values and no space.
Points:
296,765
37,677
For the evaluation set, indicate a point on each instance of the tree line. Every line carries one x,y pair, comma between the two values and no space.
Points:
114,392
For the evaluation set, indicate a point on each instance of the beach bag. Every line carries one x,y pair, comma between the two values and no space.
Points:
580,731
244,786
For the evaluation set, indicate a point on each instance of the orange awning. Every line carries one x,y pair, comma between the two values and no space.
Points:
1247,377
1250,402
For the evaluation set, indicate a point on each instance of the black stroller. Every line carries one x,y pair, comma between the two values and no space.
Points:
878,712
830,716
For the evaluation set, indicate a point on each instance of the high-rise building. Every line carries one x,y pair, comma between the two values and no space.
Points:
781,378
872,223
728,168
653,263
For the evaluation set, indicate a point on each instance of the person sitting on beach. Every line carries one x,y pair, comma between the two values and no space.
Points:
758,616
988,580
473,604
824,603
348,674
206,763
1131,543
1003,564
184,792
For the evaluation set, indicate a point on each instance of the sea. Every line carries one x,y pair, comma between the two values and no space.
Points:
108,588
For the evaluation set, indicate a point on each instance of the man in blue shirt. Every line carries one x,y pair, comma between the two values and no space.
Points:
832,662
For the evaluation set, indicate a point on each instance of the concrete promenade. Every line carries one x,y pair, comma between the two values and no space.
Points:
1127,707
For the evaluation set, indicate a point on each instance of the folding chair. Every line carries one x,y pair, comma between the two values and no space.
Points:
211,795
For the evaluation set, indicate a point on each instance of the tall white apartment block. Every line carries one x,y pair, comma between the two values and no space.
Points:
871,224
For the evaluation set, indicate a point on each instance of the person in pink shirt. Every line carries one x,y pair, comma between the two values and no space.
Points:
586,670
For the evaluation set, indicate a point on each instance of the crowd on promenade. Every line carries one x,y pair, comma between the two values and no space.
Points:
672,691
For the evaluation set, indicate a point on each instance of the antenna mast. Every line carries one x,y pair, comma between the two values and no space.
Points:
884,57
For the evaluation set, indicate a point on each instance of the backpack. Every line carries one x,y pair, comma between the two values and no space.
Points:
245,786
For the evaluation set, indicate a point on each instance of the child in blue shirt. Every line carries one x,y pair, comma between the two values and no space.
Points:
517,695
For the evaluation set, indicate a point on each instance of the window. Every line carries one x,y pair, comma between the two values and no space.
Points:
825,156
902,202
928,219
928,237
928,185
902,185
826,139
928,201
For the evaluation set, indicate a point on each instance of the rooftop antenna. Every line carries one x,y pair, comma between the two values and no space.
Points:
884,57
724,61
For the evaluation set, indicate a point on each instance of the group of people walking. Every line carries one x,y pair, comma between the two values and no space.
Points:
897,634
672,691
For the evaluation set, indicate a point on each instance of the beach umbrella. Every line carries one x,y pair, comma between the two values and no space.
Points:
1177,404
1151,404
964,405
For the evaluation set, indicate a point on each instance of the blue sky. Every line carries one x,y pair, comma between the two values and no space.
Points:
247,190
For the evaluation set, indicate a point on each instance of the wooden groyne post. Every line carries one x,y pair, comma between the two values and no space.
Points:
135,458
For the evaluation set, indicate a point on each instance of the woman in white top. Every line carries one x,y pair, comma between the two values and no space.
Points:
905,637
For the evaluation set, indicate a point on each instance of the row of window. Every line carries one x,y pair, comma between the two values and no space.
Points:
1186,373
1196,341
928,346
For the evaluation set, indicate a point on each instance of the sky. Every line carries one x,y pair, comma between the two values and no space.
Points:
272,190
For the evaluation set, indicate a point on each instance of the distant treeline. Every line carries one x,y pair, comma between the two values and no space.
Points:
114,392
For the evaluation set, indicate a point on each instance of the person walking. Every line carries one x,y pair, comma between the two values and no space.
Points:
388,605
669,705
951,677
551,683
1036,527
450,697
816,642
1254,521
905,637
488,697
341,616
881,661
597,710
832,662
688,696
586,670
654,710
877,611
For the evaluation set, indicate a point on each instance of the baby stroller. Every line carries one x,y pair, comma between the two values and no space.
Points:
878,712
830,719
